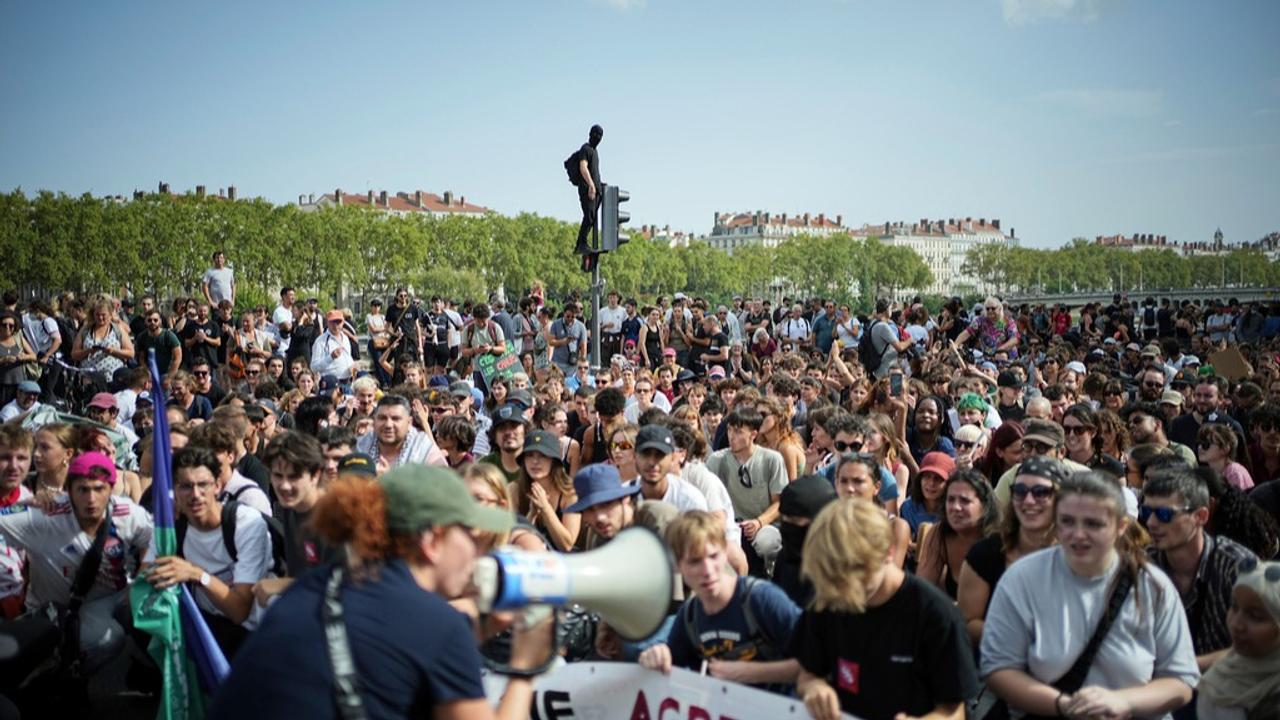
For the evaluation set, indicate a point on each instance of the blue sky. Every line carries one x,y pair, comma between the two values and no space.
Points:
1061,117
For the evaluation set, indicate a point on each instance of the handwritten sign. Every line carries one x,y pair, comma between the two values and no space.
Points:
492,367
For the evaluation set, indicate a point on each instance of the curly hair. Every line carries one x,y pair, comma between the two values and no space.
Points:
1237,517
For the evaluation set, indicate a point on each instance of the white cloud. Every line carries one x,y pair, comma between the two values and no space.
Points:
1106,103
1025,12
622,5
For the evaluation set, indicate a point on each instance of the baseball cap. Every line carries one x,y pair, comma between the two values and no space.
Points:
333,315
1044,431
1007,379
716,372
655,437
521,397
669,352
680,296
144,398
1171,397
460,389
1190,360
328,383
1133,346
938,463
29,386
1077,367
104,401
94,465
509,413
423,496
544,443
358,464
1045,467
1152,350
597,484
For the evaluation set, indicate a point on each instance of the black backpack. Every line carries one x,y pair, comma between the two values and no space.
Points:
1149,317
275,531
867,353
571,167
765,648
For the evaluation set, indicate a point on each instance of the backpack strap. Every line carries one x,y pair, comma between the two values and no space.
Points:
754,631
81,584
229,528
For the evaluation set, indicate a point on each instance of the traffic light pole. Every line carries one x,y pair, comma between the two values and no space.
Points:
596,284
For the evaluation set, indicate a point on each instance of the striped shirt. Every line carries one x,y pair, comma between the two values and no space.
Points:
1207,600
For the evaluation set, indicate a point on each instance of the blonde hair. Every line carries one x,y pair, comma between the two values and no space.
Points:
847,543
692,531
487,474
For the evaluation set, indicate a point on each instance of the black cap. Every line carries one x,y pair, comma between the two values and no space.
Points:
1008,379
509,413
520,396
359,464
655,437
543,442
806,496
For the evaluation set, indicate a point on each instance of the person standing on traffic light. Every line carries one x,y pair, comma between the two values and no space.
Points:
589,188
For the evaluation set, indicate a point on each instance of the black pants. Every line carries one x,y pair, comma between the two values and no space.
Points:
589,207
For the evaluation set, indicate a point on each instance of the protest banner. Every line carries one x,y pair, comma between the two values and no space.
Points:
624,691
492,366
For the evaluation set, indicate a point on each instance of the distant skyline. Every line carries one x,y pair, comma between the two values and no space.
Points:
1063,118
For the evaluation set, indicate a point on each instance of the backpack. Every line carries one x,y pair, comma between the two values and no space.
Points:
1149,317
766,650
571,167
867,353
275,531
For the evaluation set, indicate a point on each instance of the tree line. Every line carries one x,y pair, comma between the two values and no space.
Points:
1085,266
163,243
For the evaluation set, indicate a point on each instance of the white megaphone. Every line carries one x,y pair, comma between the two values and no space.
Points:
629,581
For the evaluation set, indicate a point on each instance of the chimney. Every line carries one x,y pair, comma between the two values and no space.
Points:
369,196
222,193
716,222
382,199
311,198
337,197
302,200
822,219
1012,233
417,198
231,192
200,191
806,219
784,218
840,220
995,223
164,188
138,194
462,200
448,197
982,221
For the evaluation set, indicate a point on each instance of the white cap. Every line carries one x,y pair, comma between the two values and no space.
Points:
1077,367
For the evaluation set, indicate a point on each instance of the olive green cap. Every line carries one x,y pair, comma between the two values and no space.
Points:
421,496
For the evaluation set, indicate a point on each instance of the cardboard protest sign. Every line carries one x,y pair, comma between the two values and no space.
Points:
492,366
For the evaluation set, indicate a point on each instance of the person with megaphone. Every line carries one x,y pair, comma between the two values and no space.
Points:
739,626
375,637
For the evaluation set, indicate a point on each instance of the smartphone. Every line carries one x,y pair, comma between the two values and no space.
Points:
954,418
895,384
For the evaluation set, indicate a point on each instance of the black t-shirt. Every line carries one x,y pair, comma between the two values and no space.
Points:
1011,412
986,557
251,467
405,319
411,650
304,334
908,655
592,157
200,349
439,328
304,549
215,394
718,341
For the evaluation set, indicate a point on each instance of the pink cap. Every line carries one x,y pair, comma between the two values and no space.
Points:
104,400
94,465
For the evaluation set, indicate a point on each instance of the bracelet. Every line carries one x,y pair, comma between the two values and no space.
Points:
1057,704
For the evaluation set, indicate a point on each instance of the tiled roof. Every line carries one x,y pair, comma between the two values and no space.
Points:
407,202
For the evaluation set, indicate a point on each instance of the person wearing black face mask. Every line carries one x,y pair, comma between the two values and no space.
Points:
589,186
800,503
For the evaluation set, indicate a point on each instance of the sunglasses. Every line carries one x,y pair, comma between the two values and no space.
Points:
1036,446
251,373
1163,514
1152,384
1039,492
962,445
744,476
1076,429
624,445
201,373
1265,426
854,446
7,325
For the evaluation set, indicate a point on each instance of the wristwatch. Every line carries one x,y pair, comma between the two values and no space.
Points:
204,579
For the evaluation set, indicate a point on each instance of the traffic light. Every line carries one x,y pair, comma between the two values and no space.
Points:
610,224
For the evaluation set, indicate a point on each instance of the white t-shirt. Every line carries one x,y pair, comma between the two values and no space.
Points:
613,316
245,491
56,545
455,328
40,332
681,495
13,410
631,412
794,328
221,281
696,474
13,558
205,549
280,316
127,404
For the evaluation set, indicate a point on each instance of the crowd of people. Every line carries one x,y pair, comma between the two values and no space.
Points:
997,510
